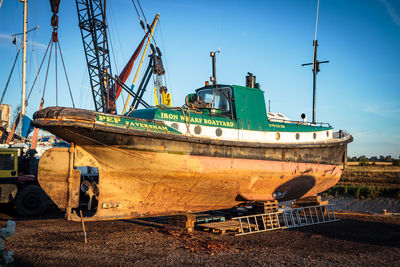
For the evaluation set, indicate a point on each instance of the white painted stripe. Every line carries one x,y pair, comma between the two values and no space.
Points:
251,136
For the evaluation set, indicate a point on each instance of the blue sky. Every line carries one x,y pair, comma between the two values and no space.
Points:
359,90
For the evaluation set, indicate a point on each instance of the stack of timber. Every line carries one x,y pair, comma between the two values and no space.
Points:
183,220
265,207
309,201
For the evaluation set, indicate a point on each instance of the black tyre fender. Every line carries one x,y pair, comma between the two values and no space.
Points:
31,200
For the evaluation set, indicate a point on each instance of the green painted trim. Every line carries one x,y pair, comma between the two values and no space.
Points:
135,124
224,122
294,127
194,118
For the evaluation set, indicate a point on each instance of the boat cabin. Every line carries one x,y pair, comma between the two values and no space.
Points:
232,112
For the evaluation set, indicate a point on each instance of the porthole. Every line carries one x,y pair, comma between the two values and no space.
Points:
277,136
327,133
297,136
197,129
218,132
314,135
175,126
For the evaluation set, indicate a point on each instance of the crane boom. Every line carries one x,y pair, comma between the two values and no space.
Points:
94,36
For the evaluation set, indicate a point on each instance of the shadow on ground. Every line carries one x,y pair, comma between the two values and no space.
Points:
360,231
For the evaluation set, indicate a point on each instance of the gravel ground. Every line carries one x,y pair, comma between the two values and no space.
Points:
50,240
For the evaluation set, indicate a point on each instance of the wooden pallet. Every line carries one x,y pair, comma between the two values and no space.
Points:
266,207
225,227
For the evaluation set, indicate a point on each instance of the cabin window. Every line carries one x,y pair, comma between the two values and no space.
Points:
297,136
197,129
277,136
175,126
219,98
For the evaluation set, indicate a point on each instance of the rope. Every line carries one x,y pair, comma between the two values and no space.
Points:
137,12
47,71
40,67
36,69
66,76
141,22
166,77
55,61
142,12
11,72
186,123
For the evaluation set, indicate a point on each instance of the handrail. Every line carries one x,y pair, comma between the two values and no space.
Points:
320,124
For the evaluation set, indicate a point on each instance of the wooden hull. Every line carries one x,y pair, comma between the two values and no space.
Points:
147,174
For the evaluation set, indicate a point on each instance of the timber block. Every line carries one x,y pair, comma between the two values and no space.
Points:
308,202
265,207
309,199
183,220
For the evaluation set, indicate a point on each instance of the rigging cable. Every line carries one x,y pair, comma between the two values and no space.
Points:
36,69
141,22
40,67
11,72
165,57
47,71
55,61
142,12
66,76
137,12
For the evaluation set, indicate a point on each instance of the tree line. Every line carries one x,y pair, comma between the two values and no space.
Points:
363,160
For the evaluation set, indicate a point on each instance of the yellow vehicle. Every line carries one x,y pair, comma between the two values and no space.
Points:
18,183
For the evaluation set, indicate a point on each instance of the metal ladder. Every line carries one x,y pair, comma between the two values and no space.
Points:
286,218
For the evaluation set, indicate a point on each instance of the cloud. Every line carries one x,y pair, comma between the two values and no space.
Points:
378,110
392,12
19,39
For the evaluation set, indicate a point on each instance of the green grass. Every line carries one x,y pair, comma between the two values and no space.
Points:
363,191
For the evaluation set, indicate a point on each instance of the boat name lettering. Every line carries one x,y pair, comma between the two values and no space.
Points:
145,125
169,116
131,123
277,125
108,119
175,117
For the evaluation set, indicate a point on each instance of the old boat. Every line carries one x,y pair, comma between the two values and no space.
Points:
219,151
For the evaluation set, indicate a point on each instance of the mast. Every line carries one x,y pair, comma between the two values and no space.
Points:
213,78
315,71
24,46
315,65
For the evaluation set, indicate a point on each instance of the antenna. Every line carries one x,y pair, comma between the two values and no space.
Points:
315,64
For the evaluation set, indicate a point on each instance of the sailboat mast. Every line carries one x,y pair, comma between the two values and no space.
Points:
24,46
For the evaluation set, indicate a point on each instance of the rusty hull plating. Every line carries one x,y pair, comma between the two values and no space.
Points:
148,174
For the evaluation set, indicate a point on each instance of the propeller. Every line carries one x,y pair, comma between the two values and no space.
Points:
90,189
